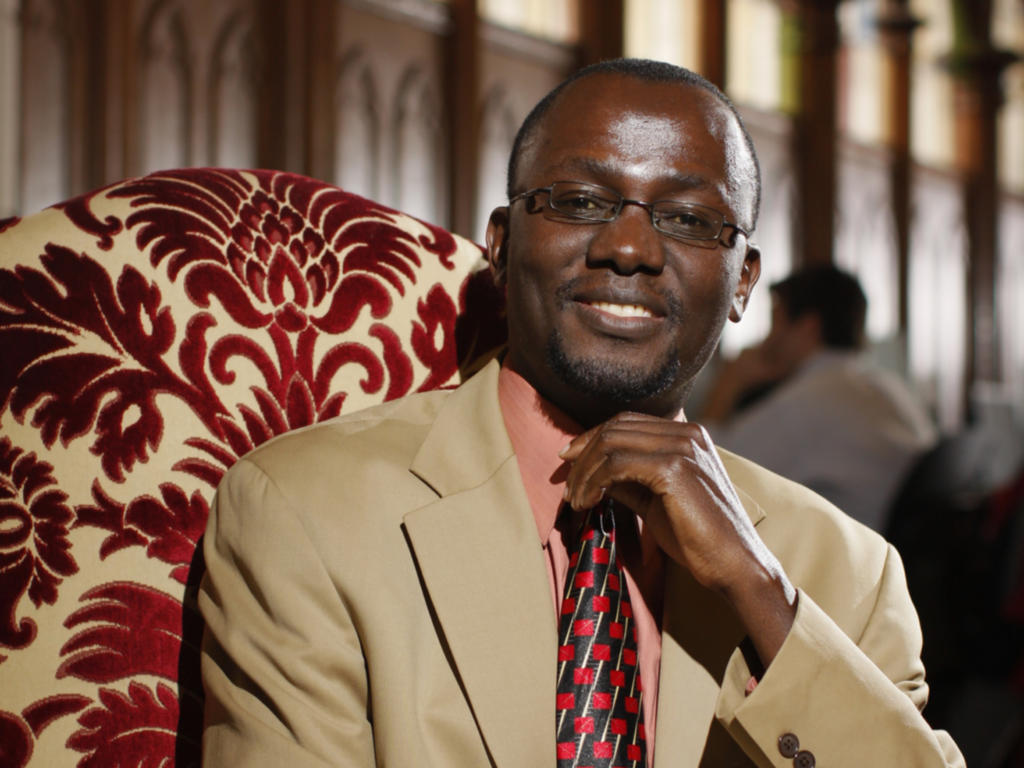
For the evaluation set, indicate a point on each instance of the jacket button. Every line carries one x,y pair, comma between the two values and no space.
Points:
789,745
803,759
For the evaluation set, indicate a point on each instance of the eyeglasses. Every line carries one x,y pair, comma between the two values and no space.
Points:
697,224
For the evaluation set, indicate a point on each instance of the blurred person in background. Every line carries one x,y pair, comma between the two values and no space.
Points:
808,404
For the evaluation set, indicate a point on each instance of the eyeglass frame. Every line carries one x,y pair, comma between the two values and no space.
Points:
648,206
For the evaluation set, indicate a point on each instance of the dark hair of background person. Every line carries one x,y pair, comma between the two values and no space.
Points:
834,296
640,69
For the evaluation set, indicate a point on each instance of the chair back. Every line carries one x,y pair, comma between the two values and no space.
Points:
151,333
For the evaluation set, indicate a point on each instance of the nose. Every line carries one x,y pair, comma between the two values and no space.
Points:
629,243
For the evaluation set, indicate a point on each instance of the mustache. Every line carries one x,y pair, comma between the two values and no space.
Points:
567,291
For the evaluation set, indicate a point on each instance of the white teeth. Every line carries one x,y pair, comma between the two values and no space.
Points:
622,310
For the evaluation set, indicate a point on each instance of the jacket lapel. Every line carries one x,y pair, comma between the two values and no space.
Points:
699,634
482,564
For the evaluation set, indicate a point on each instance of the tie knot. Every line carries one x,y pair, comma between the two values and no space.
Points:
576,524
605,514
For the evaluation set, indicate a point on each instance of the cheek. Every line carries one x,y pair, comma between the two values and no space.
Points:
708,284
530,295
536,273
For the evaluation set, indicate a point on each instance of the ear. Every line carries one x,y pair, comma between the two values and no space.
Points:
749,273
497,245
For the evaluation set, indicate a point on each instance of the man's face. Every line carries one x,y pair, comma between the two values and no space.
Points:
612,316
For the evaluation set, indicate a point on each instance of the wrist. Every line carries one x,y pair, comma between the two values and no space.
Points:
765,604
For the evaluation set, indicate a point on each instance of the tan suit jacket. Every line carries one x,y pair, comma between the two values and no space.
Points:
376,595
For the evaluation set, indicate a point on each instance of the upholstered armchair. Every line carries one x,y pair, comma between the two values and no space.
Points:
151,333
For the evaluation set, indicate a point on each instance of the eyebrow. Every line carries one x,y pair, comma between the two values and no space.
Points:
599,168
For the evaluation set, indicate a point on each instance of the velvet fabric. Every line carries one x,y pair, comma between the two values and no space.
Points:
151,333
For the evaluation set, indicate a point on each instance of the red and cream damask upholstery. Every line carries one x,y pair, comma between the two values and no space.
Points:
150,334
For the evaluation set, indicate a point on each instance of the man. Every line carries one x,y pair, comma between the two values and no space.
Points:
830,419
385,589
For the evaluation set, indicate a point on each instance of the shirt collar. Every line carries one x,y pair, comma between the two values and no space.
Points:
537,430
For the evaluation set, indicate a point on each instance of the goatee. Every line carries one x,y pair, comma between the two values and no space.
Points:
609,380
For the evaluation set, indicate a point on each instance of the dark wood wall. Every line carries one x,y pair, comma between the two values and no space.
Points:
415,103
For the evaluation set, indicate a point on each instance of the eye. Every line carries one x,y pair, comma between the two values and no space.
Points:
582,201
689,220
577,201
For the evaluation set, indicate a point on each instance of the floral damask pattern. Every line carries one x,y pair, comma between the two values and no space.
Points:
34,547
155,332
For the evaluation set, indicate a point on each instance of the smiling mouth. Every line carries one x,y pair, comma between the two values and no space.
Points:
621,310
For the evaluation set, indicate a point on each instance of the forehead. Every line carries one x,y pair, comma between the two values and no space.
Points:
644,130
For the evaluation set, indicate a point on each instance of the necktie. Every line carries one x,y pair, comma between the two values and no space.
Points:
598,714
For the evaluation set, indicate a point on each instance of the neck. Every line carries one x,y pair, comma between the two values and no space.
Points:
589,409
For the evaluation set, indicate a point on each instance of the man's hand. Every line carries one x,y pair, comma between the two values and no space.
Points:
669,473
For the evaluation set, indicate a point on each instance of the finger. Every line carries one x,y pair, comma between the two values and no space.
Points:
652,470
640,422
667,440
633,423
588,455
656,436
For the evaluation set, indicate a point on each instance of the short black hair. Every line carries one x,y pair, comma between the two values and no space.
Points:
833,295
640,69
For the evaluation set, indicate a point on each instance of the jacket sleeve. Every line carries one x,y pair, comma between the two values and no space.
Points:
277,692
847,702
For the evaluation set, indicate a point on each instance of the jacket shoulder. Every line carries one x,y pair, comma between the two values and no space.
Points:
357,432
837,560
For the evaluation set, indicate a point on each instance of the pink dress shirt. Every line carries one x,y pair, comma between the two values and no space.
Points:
538,431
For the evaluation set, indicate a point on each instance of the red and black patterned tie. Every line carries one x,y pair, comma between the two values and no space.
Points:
599,719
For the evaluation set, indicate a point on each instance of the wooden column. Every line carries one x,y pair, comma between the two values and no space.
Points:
815,37
712,22
461,85
86,92
320,110
275,57
897,26
601,30
977,67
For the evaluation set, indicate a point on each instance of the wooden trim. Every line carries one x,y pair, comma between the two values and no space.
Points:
713,25
319,106
815,133
85,93
976,104
272,96
602,24
425,14
977,67
462,68
897,26
559,56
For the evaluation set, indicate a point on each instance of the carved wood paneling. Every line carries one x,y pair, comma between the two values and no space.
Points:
499,122
166,89
233,77
197,92
358,127
936,339
370,94
10,114
419,167
776,226
388,112
515,73
45,146
866,234
1010,290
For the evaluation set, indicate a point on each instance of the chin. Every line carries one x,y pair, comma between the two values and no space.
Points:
611,380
